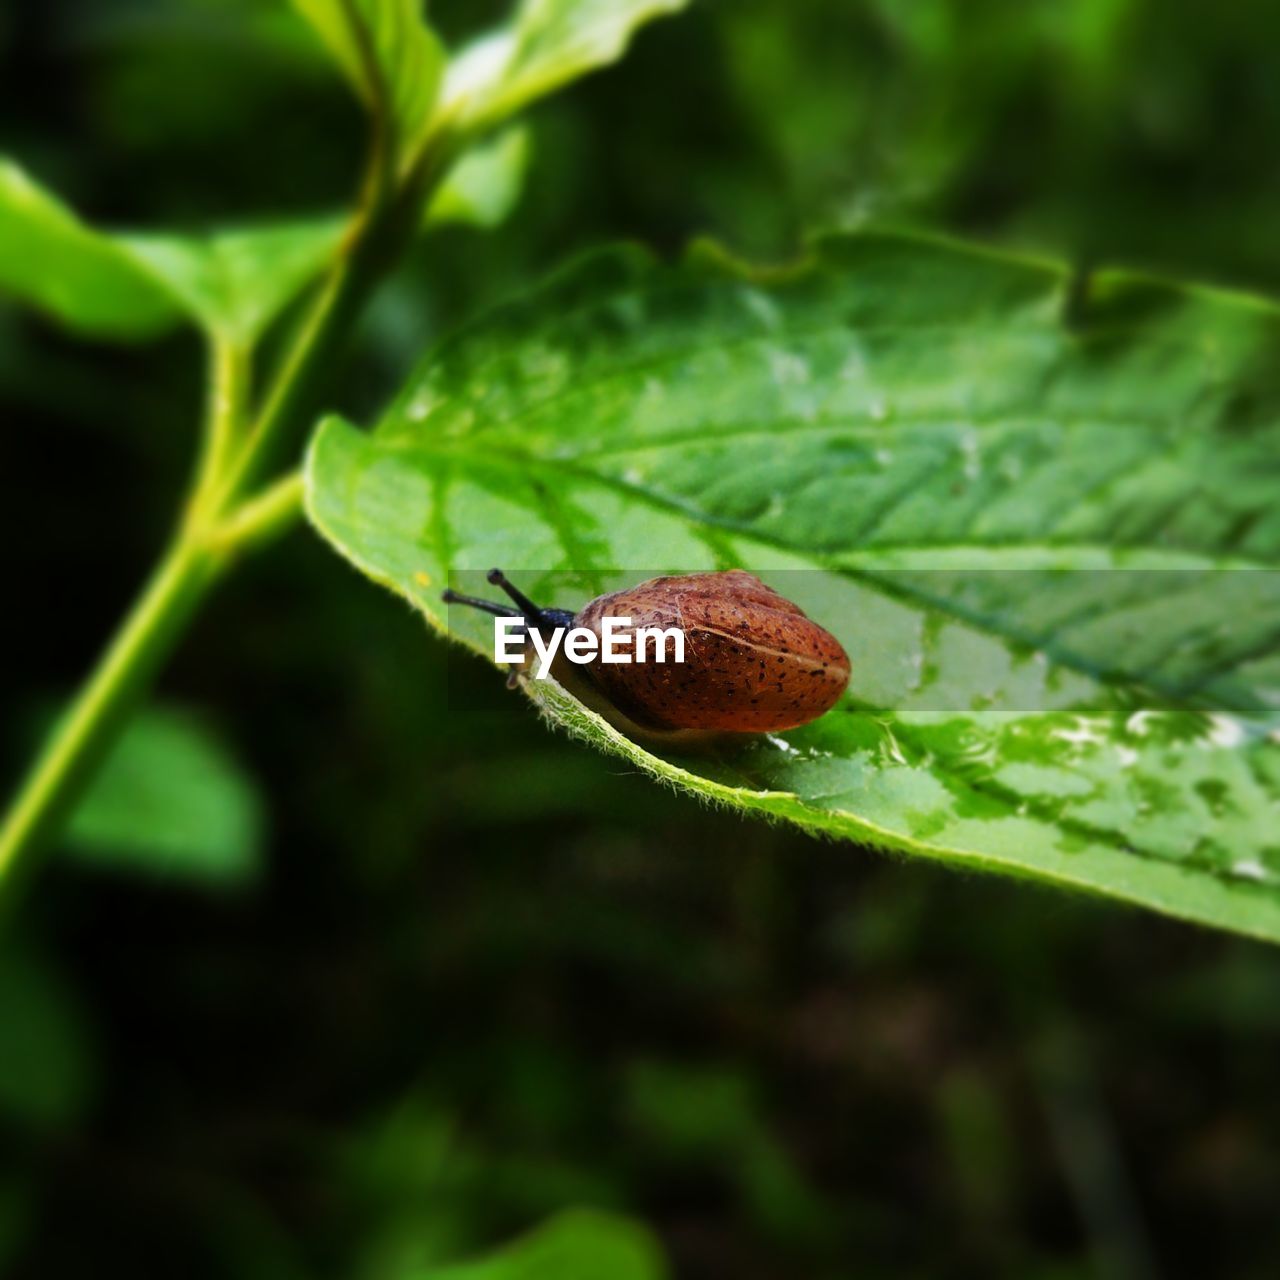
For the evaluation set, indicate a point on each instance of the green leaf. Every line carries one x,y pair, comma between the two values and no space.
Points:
232,283
483,187
235,282
170,801
578,1244
52,261
546,45
393,60
1048,547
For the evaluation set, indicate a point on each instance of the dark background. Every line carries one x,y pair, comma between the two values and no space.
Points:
485,973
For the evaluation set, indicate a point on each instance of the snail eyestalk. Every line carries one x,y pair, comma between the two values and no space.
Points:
532,614
485,606
530,610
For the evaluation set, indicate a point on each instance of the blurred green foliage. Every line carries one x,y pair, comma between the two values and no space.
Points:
486,976
171,801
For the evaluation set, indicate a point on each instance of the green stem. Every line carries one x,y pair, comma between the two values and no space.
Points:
90,726
389,217
295,389
213,528
385,226
262,518
224,419
224,513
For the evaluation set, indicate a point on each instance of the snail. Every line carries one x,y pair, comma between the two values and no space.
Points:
755,663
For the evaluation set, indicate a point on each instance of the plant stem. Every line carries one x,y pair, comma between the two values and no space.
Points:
261,518
213,527
295,387
224,514
90,726
224,418
218,522
383,230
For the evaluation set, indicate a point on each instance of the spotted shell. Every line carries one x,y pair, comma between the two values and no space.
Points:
754,662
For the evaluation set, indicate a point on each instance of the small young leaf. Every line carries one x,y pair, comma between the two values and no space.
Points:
547,44
1048,546
578,1244
232,283
170,801
484,185
393,60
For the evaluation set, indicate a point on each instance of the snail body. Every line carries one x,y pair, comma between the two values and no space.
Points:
754,662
